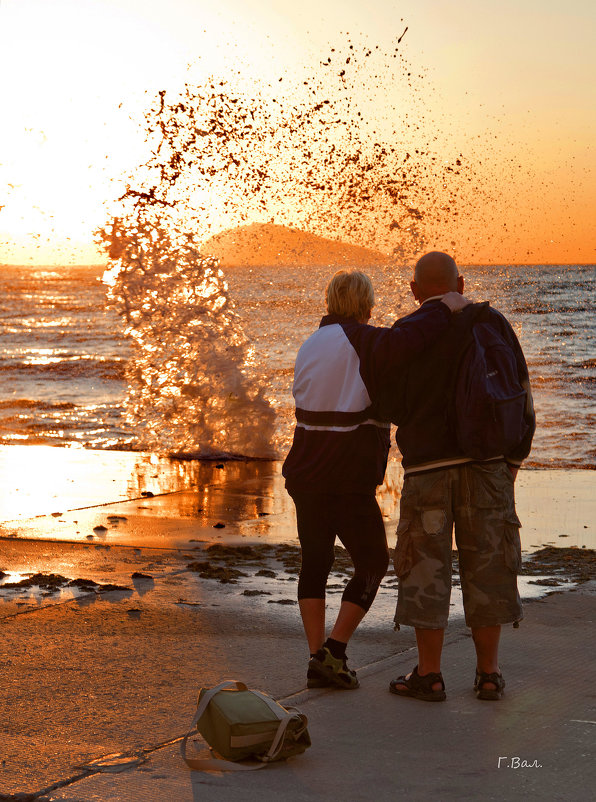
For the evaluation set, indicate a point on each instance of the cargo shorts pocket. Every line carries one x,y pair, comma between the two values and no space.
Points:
513,558
433,521
402,560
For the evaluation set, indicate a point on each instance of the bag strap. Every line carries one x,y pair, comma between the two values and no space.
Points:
291,714
219,764
213,764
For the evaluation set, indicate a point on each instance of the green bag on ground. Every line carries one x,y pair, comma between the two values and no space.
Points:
239,723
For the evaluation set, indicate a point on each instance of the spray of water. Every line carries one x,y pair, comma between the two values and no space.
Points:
189,388
310,157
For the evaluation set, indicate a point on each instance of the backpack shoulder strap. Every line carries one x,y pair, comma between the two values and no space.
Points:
465,321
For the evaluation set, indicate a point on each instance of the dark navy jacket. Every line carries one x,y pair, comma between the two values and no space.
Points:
417,398
340,442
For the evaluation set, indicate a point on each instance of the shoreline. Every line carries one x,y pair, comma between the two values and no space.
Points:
227,529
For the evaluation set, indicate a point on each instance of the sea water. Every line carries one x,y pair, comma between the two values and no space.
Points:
63,353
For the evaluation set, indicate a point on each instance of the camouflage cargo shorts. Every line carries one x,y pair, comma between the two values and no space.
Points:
477,498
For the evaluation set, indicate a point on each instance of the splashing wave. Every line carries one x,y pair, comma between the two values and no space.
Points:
310,158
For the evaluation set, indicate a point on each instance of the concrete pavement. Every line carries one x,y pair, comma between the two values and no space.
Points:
537,743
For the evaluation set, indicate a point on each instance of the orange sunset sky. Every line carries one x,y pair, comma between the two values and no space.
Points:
510,85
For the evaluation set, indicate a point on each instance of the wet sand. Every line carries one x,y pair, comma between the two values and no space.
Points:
43,487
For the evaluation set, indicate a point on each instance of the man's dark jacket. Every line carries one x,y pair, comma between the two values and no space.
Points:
418,399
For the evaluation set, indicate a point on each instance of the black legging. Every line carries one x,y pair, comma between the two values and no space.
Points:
357,521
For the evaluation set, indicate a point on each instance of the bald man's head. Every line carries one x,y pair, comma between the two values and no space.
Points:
435,274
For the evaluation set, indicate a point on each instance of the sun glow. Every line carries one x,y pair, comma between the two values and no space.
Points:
83,73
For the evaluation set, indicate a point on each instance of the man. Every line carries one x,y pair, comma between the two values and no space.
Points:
339,455
443,487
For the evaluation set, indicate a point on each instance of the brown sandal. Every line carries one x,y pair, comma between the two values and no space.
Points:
418,687
489,694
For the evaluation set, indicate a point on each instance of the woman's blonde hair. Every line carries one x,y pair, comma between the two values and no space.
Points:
350,294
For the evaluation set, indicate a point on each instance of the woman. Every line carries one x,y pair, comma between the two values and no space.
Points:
339,455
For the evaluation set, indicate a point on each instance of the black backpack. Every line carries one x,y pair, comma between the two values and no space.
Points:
488,401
